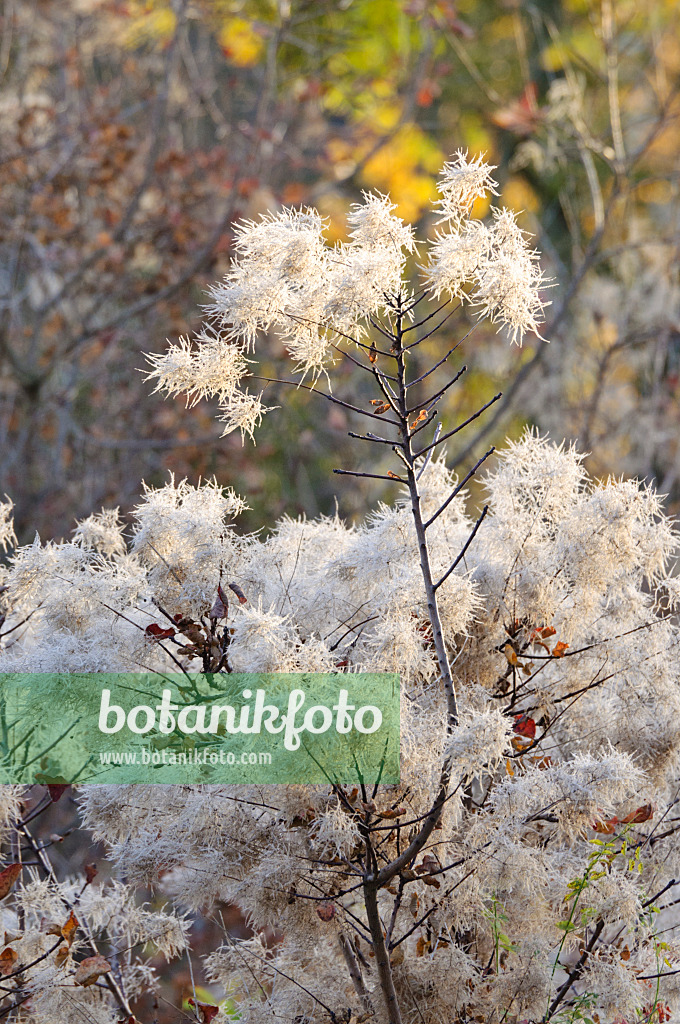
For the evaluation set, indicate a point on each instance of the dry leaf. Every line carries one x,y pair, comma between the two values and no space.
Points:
510,654
69,930
220,608
8,961
242,599
61,956
559,649
643,813
396,813
605,828
326,911
429,880
7,879
519,745
90,970
207,1011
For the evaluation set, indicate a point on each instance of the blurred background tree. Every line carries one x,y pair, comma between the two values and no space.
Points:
135,134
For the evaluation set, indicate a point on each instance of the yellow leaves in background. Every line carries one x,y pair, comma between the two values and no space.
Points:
405,166
149,22
519,196
241,44
154,22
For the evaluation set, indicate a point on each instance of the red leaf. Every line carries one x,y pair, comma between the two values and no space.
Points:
156,632
90,872
57,790
524,726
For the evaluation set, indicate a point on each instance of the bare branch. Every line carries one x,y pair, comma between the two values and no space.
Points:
463,550
459,487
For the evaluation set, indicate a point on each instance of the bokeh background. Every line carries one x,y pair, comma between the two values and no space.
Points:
135,133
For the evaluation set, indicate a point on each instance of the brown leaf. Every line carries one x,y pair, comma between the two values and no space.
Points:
643,813
8,961
519,745
69,930
90,970
605,828
422,415
207,1010
382,408
397,955
90,872
510,654
559,649
326,911
393,476
61,956
372,354
242,599
397,812
429,880
7,879
220,608
421,946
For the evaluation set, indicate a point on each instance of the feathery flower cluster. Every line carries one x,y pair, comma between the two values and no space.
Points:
286,278
566,669
512,873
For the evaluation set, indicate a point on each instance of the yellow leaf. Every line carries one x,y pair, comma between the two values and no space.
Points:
241,43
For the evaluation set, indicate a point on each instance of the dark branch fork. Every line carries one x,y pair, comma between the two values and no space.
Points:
378,870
